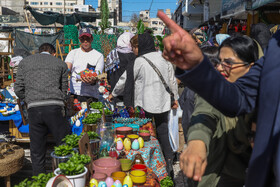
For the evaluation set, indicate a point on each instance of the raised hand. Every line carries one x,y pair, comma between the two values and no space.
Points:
193,160
179,47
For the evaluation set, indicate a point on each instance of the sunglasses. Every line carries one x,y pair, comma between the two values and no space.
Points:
227,64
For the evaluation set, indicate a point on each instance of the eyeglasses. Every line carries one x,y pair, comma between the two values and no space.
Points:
83,39
227,64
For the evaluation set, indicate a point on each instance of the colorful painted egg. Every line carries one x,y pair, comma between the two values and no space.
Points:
141,142
135,144
102,184
118,183
109,181
93,183
125,185
119,145
128,181
127,144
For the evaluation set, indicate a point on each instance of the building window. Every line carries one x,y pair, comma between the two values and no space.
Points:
41,3
34,3
84,9
50,3
46,3
154,22
147,12
45,9
72,4
58,3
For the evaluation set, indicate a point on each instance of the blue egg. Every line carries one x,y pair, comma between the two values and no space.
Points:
125,185
102,184
135,145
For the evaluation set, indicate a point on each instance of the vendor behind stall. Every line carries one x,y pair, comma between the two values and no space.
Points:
80,59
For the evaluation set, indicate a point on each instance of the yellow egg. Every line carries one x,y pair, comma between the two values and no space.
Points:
141,142
128,181
127,144
93,182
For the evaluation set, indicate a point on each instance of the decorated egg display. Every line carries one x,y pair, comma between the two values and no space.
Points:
117,183
127,144
141,142
119,145
102,184
93,183
109,181
127,181
135,145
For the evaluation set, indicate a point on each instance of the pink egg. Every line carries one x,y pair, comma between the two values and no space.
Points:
119,145
109,181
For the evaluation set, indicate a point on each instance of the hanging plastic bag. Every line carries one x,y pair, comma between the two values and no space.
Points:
173,129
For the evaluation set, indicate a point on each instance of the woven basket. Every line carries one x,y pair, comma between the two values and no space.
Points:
12,163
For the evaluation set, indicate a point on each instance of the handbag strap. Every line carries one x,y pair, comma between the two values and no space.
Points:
159,74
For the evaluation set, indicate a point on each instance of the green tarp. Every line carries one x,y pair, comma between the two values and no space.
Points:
31,42
48,18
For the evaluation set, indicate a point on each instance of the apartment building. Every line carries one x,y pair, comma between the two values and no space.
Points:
157,25
144,15
60,6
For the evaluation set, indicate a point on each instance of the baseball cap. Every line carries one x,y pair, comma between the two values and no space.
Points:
85,32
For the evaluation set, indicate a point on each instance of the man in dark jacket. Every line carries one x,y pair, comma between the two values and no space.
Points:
42,82
259,87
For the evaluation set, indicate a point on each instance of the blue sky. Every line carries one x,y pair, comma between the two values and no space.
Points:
135,6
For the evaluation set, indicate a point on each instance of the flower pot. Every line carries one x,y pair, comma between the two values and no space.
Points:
76,180
60,159
90,127
109,118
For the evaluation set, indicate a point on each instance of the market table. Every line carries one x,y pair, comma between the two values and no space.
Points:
152,156
14,120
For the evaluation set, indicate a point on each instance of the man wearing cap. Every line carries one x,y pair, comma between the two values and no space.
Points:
80,59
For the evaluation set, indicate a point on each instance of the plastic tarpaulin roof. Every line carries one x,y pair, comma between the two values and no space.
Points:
232,8
258,3
32,42
48,17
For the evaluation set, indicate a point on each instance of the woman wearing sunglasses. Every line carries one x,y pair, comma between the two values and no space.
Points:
218,146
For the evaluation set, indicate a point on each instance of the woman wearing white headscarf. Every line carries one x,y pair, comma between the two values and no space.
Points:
120,59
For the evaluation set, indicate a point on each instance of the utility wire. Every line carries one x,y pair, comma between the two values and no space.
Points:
151,5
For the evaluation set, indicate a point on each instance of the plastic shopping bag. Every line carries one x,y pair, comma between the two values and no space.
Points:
173,129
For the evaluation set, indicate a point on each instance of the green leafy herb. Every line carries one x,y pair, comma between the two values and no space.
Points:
36,181
92,135
92,118
97,105
72,140
80,159
108,112
71,168
166,182
63,150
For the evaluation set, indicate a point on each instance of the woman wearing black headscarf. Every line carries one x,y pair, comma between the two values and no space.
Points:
149,91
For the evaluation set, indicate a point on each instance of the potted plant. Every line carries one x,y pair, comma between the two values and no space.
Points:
90,121
72,140
61,154
108,115
75,171
39,180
